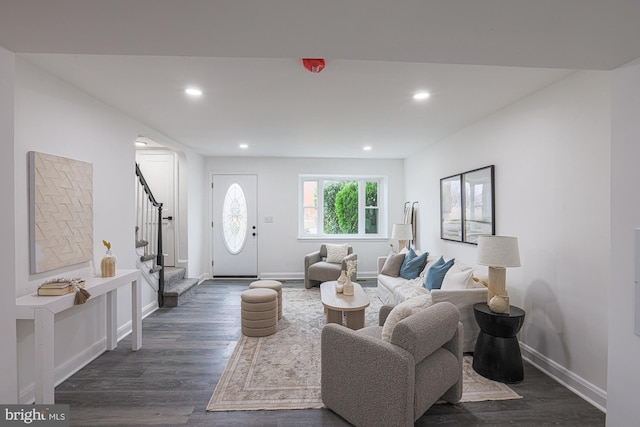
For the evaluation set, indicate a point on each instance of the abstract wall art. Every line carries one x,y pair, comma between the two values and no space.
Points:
60,212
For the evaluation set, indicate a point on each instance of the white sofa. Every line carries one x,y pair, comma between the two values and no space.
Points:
394,290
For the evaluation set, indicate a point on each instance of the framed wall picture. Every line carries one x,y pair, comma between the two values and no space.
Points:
478,204
451,208
467,205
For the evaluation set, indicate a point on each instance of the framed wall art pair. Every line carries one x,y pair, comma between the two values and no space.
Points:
467,205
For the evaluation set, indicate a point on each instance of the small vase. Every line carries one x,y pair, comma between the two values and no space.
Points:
108,265
342,278
499,304
348,287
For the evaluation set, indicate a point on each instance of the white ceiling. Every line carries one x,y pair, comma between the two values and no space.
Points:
474,56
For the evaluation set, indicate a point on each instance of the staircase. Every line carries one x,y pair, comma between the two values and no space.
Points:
168,282
177,288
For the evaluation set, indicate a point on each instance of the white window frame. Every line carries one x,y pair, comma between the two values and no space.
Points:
362,180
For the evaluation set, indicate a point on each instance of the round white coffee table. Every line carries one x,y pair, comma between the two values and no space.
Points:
335,304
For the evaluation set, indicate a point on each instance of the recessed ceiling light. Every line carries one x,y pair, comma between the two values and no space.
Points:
367,148
193,91
244,146
421,96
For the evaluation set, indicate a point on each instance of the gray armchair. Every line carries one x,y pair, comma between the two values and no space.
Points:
317,271
371,382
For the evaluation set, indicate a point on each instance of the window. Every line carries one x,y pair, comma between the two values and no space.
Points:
234,219
339,206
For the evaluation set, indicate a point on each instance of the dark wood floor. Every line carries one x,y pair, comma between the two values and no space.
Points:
185,349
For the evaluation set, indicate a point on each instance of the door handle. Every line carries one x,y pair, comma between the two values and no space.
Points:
169,218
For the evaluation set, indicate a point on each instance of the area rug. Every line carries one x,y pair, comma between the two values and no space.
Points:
282,371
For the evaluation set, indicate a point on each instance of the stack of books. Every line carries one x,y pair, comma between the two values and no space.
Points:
58,287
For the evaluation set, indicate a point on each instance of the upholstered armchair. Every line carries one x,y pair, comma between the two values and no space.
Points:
323,266
371,382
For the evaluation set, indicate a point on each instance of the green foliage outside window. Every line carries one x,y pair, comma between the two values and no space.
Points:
371,214
347,208
331,224
341,210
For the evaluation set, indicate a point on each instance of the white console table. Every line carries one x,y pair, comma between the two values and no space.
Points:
42,310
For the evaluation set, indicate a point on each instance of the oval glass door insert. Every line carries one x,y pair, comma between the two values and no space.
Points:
234,219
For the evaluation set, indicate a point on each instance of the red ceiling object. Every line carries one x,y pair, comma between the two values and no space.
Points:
315,65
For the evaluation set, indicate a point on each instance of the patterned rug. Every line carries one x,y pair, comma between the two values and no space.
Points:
282,371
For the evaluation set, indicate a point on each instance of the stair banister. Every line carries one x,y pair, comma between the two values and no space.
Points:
160,259
149,219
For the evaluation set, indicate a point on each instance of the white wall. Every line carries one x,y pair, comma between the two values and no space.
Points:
624,345
8,385
196,193
55,118
280,252
551,154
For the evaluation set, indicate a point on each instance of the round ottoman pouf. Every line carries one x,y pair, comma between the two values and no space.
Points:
270,284
259,310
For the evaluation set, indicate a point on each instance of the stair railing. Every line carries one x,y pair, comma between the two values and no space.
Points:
149,230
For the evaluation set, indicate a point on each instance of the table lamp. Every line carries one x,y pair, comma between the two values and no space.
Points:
498,252
403,234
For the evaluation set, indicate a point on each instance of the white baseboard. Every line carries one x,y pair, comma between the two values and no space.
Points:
147,310
64,371
203,277
583,388
281,276
125,329
73,365
367,275
300,276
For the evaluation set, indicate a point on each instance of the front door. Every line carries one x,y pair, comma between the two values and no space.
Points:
234,222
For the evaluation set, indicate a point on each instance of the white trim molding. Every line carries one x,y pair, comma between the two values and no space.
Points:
589,392
363,275
204,276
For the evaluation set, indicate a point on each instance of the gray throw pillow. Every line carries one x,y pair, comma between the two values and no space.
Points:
392,265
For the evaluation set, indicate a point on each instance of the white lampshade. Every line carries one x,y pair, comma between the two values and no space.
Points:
498,251
402,232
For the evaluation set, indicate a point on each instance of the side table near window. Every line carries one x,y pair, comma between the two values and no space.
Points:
497,353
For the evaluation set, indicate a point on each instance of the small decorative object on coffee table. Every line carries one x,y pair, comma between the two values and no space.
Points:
340,281
352,306
348,285
497,353
343,277
347,288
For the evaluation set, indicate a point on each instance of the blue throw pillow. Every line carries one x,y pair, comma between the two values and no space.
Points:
409,256
436,273
438,263
413,264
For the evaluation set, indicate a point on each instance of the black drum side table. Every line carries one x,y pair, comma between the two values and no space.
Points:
497,353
